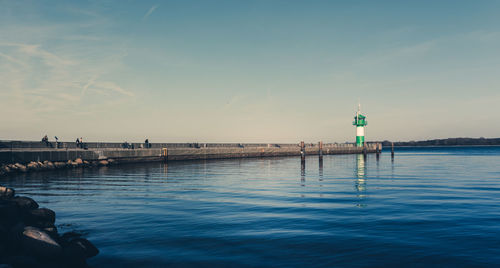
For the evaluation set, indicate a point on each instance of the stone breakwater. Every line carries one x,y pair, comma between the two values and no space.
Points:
48,165
40,158
29,237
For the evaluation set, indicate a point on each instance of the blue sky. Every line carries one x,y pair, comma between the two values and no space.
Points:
248,71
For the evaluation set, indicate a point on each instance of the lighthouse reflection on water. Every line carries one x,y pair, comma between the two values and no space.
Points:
360,174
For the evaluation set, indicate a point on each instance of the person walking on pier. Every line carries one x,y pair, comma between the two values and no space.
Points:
146,144
77,142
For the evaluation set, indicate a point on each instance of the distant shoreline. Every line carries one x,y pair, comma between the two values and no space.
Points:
446,142
464,145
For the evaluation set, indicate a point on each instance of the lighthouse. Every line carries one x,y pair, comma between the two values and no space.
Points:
360,123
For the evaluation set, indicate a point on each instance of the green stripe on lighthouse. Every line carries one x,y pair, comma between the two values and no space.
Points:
360,141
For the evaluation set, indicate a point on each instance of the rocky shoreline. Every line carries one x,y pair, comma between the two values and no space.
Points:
29,237
48,165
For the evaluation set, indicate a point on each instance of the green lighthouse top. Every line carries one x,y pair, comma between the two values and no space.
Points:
359,119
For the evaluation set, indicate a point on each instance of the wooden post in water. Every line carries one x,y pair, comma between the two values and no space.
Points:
302,151
320,150
164,153
392,149
377,150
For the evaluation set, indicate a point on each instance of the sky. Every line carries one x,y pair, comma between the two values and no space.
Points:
248,71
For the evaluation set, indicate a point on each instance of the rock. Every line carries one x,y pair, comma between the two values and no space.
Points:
25,203
59,164
21,167
15,235
50,165
86,163
68,236
6,169
42,217
40,244
79,161
22,261
32,166
111,161
52,231
103,163
80,249
6,192
3,236
9,214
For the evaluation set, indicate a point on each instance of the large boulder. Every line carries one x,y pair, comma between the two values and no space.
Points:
14,236
41,217
6,192
79,161
52,231
103,163
38,243
21,261
25,203
9,215
80,249
3,237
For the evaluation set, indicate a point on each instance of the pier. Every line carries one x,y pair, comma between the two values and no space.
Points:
27,151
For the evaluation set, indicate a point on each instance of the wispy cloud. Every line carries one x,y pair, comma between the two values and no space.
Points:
150,11
113,87
37,81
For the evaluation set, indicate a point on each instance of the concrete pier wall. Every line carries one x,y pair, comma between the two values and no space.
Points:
25,152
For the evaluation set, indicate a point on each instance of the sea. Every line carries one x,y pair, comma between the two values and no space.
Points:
425,207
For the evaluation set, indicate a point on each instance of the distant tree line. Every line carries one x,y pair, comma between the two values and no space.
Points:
446,142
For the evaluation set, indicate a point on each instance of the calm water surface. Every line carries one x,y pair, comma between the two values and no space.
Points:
428,207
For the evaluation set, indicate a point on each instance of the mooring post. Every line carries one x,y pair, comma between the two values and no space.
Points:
364,150
302,151
164,152
392,149
320,150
